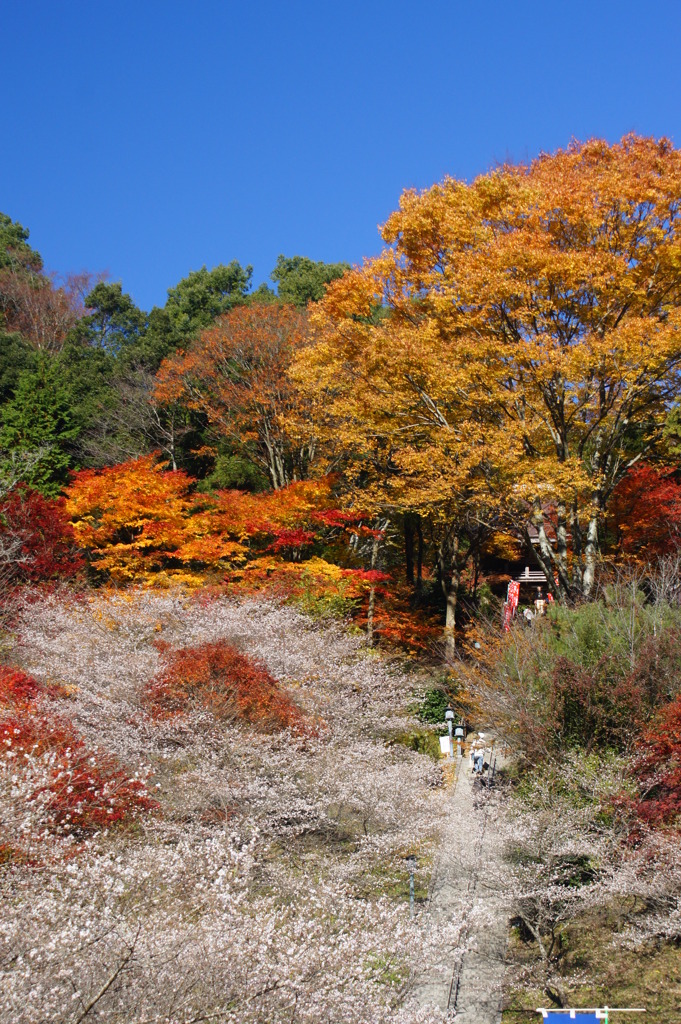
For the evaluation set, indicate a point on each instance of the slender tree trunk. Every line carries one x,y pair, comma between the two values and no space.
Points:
372,594
452,595
576,531
172,444
591,552
450,618
275,458
280,461
419,556
276,469
448,566
271,465
545,555
591,541
409,549
561,550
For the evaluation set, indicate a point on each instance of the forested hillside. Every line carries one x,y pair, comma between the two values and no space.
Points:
254,541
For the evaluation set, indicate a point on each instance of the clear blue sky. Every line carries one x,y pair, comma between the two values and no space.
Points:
148,138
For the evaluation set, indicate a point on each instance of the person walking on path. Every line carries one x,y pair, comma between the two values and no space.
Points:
478,754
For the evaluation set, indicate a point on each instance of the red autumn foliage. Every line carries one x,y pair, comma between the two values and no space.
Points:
17,689
46,542
371,576
646,511
401,627
396,622
82,789
292,540
333,517
235,374
659,769
219,678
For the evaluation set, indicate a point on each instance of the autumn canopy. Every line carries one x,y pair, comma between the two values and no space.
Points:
498,386
512,353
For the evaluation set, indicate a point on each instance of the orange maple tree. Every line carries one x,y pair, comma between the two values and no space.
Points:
130,518
140,523
235,373
501,353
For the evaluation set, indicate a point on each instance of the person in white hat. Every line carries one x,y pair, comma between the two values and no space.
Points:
478,753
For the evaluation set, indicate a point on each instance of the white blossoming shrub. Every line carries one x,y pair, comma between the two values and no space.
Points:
270,883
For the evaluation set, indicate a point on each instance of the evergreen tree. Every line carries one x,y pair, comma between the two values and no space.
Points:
15,252
115,322
16,356
301,280
39,419
201,297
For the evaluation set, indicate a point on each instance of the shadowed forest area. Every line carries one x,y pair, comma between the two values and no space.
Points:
254,542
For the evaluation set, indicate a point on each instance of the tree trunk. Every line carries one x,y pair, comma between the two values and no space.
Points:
591,542
172,443
451,599
372,594
545,555
448,566
576,531
419,556
409,549
275,458
591,553
561,551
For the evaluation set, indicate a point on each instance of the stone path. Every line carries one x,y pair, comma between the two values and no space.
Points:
466,888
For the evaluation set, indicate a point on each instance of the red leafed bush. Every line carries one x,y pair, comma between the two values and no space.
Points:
44,538
333,517
292,540
67,786
659,769
219,678
80,790
17,688
371,576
